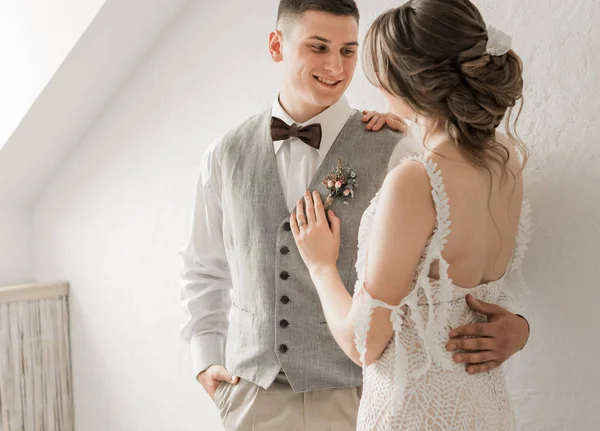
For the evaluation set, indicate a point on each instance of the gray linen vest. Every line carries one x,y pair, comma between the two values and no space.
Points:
276,321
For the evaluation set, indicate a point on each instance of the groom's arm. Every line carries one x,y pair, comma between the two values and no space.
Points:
507,301
205,280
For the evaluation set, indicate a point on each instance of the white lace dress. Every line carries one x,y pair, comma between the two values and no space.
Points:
415,385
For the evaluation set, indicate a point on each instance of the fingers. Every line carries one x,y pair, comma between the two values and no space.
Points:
373,121
482,368
396,124
315,211
476,357
315,215
483,307
470,344
319,209
376,121
294,225
335,225
310,209
222,375
213,376
380,123
300,217
367,115
474,329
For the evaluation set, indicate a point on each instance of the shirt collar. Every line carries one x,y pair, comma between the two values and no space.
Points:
332,121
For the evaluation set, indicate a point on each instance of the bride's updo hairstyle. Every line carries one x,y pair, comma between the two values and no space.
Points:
433,54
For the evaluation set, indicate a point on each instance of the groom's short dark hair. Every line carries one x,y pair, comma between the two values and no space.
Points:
294,9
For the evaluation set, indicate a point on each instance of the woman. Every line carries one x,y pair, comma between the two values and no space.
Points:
428,239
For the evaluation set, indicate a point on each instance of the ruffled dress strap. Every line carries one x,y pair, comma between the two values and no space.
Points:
514,284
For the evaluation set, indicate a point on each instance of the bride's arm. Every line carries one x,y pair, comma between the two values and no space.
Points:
404,220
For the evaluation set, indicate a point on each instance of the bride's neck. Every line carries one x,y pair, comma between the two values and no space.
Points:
433,134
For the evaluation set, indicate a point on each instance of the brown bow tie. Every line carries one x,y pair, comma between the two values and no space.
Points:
310,135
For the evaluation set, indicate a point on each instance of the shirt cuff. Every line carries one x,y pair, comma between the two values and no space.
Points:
207,350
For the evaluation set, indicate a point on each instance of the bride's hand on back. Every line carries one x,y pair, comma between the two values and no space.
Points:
319,244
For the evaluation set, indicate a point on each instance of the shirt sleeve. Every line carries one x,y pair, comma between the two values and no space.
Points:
205,278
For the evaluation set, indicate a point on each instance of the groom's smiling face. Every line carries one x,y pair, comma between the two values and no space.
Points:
318,51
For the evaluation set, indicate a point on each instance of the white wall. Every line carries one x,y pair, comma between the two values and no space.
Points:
35,37
558,376
113,220
16,245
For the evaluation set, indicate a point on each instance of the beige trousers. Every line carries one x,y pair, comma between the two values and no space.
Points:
248,407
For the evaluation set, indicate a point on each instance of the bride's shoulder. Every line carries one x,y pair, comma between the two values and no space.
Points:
409,182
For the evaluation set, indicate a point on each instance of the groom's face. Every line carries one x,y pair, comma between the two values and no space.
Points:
319,54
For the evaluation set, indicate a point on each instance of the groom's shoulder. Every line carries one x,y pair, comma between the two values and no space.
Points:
232,139
228,143
249,126
382,136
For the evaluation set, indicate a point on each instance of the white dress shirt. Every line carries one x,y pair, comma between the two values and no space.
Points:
206,281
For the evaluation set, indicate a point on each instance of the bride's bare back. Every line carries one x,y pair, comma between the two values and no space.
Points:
484,214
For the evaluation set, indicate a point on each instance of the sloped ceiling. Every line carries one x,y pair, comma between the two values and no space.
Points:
117,40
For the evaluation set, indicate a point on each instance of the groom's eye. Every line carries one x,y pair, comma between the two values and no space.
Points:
319,48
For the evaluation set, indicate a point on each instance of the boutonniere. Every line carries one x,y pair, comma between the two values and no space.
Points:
340,183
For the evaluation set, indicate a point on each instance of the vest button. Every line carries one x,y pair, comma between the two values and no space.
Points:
284,250
283,348
284,299
284,275
287,227
284,323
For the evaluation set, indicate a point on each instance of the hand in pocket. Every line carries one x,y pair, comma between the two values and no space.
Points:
212,377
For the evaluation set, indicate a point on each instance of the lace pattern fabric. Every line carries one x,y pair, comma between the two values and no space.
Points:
415,384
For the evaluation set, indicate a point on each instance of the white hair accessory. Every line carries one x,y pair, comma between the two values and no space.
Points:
499,43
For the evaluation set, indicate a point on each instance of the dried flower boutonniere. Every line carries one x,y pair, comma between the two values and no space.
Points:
340,183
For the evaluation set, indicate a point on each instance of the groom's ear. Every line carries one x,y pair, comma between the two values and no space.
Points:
276,45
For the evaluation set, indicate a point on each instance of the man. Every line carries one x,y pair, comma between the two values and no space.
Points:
273,362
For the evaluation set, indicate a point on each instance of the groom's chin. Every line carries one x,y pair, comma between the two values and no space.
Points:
327,99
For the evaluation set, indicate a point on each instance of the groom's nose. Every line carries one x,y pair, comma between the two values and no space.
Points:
334,63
